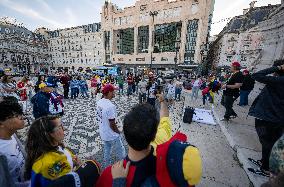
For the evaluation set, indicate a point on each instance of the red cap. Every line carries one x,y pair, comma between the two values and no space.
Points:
246,71
108,88
236,64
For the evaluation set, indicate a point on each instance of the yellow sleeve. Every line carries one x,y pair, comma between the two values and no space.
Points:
192,162
164,132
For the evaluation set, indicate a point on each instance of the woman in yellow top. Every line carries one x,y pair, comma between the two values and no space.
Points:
47,157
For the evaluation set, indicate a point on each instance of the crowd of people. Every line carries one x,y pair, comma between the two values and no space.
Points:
155,156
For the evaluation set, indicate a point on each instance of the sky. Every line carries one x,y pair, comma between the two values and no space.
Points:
54,14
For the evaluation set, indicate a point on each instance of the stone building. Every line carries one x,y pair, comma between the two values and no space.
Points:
245,37
133,33
22,51
76,48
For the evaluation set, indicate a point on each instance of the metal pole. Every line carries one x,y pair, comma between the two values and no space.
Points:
153,14
176,62
152,42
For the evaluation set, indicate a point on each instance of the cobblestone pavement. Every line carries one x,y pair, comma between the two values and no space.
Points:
220,167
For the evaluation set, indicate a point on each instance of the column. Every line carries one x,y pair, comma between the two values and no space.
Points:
183,40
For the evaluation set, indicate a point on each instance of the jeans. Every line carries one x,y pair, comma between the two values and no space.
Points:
204,98
66,91
77,92
244,97
73,93
142,97
120,88
116,147
84,93
227,102
133,88
194,92
129,90
268,133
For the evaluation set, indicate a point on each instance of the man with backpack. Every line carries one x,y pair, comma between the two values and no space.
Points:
156,158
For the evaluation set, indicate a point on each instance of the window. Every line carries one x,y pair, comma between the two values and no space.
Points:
126,41
143,39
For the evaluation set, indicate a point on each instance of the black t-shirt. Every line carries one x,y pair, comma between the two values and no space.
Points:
235,78
248,83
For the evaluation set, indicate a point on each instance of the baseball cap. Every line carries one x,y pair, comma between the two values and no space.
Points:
236,64
184,163
42,85
108,88
162,169
246,71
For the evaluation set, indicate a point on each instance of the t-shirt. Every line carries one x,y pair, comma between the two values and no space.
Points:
196,83
145,168
142,86
67,154
105,111
130,80
235,78
152,90
138,172
171,89
15,158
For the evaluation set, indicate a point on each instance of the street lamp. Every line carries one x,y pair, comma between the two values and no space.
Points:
177,47
177,43
153,14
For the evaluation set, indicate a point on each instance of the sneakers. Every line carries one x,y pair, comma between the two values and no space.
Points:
225,119
260,172
255,162
233,116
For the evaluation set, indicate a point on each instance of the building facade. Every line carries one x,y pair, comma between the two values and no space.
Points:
245,37
22,51
156,31
76,48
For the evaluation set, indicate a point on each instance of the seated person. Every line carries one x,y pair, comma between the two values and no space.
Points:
141,127
11,120
48,158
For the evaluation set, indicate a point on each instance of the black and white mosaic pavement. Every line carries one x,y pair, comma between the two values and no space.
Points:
82,136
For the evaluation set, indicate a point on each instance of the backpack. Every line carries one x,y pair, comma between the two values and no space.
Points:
188,115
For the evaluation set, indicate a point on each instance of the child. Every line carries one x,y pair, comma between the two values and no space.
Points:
73,88
83,87
94,83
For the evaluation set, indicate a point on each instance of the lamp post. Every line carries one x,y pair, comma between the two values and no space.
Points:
177,43
177,46
153,14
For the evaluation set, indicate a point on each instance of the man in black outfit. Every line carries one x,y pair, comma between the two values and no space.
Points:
232,91
268,110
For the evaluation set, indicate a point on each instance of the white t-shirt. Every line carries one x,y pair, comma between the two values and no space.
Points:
52,108
67,154
15,158
196,83
105,111
152,91
171,89
142,86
